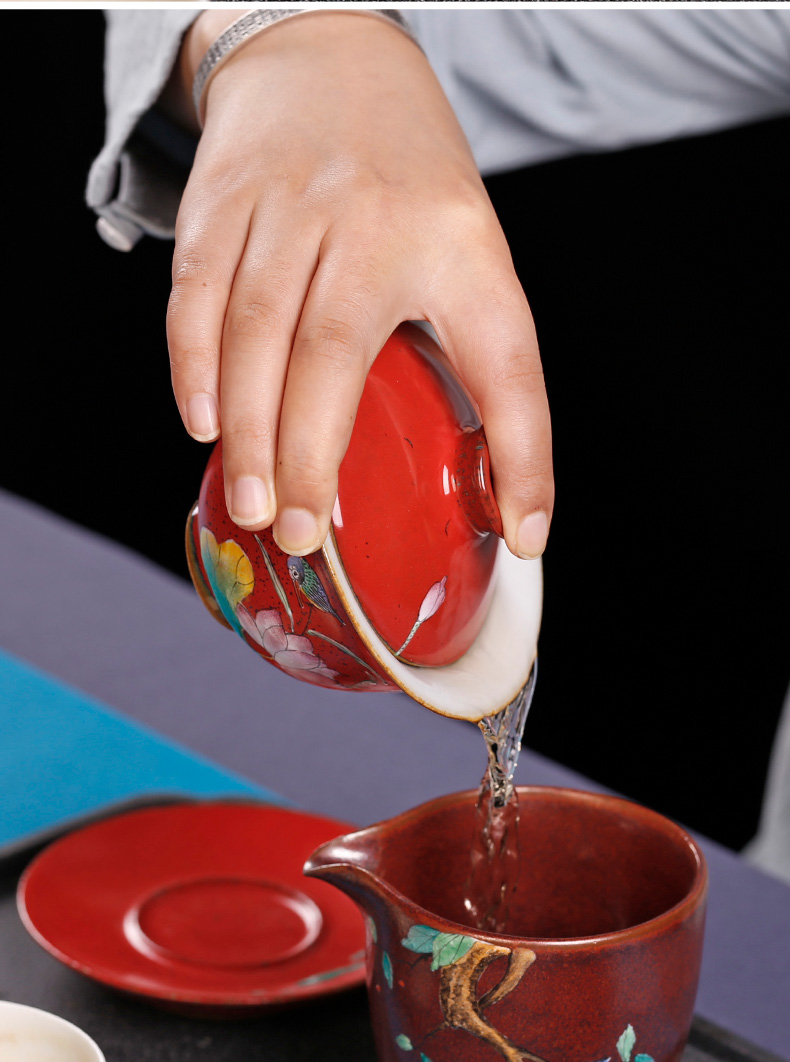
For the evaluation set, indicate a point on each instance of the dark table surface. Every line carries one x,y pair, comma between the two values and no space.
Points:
123,631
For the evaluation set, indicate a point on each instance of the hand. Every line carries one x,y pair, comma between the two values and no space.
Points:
333,195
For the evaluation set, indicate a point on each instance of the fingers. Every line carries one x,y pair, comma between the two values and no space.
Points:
295,341
297,336
260,324
490,337
204,264
345,322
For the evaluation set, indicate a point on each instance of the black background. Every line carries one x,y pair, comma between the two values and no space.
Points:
659,282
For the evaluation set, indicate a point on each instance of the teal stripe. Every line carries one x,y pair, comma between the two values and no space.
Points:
64,756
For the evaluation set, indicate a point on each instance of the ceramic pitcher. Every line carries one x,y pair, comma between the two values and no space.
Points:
601,954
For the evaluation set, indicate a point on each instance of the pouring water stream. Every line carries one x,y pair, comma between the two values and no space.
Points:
494,850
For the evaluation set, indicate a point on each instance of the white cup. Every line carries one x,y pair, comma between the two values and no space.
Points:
31,1035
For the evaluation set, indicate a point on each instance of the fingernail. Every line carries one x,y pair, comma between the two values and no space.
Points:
202,419
296,532
249,501
531,535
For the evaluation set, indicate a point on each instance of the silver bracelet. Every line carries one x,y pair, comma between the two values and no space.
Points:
248,26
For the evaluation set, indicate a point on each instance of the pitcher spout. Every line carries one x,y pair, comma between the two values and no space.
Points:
350,864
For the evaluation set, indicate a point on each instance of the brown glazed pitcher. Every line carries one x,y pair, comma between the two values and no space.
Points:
601,958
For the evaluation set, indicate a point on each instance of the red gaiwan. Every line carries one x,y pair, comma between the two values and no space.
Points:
414,588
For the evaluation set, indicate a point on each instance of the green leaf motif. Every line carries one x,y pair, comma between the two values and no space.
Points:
386,965
374,936
625,1044
424,1058
643,1058
449,948
420,938
403,1041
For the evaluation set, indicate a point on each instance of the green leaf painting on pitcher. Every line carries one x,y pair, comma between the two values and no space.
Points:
460,961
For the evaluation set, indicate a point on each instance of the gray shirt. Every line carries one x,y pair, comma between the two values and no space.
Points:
526,85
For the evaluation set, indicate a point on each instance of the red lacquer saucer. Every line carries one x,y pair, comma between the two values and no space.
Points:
200,907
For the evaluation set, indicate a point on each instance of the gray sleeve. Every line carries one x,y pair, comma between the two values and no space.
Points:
529,86
135,183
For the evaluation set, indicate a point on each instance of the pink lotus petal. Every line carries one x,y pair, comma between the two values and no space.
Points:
300,643
268,617
317,676
274,640
432,601
293,659
248,624
327,672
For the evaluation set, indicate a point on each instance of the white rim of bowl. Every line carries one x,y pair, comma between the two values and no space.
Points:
496,666
34,1019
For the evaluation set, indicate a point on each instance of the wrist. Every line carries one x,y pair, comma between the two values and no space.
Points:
176,98
206,33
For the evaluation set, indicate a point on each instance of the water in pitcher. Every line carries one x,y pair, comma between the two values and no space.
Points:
495,851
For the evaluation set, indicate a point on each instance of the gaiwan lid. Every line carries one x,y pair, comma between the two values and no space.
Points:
415,524
415,574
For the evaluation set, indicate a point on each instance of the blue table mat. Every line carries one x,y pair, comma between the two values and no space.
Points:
66,758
